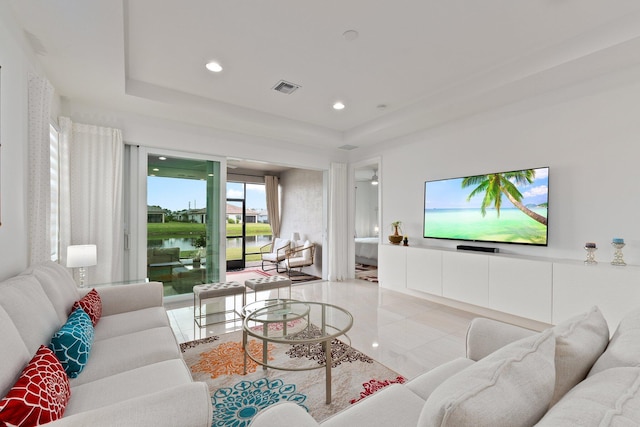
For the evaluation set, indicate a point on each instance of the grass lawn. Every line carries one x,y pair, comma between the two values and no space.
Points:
187,229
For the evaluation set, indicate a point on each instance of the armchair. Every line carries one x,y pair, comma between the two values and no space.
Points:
274,252
301,256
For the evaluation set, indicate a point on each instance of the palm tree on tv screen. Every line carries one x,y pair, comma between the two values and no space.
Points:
497,184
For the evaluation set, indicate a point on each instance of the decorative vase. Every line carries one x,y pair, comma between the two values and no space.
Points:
396,237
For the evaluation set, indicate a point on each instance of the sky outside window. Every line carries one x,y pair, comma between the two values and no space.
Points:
178,194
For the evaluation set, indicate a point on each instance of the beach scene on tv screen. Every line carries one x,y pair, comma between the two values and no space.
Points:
499,207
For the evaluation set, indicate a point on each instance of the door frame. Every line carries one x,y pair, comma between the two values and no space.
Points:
352,206
136,234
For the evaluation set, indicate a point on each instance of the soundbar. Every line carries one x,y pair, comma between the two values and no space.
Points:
477,248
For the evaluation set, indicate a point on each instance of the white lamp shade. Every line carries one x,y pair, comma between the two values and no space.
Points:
81,255
295,237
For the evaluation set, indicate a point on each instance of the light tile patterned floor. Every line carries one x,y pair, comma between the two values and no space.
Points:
409,335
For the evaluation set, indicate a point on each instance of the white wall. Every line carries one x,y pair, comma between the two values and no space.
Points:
13,137
588,136
302,210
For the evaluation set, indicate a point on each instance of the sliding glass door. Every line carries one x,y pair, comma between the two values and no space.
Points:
183,222
247,226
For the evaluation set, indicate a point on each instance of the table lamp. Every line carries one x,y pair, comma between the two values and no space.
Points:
81,256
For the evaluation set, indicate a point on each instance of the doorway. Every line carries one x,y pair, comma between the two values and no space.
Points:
366,219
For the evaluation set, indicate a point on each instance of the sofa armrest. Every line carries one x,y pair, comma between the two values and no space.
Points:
423,385
284,414
125,298
484,336
185,405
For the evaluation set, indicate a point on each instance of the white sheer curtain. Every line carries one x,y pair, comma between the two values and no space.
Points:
273,204
91,198
40,93
338,230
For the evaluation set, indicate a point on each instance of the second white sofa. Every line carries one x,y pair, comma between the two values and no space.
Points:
569,375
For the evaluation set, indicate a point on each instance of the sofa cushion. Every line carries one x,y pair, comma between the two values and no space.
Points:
58,284
30,310
128,385
130,322
91,304
41,393
119,354
511,387
609,398
579,342
72,343
624,347
396,405
13,353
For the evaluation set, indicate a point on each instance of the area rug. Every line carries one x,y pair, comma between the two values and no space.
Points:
237,398
367,272
257,272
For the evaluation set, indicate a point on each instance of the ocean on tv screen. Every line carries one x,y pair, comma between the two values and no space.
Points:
468,224
508,207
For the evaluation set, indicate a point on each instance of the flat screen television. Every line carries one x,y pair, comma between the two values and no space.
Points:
501,207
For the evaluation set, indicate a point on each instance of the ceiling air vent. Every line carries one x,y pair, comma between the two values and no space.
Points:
347,147
286,87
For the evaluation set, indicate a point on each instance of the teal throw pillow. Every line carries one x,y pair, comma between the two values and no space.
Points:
72,343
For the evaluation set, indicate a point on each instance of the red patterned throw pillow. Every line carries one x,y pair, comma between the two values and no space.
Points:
92,305
40,395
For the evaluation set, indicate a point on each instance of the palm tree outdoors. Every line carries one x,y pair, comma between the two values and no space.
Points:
497,184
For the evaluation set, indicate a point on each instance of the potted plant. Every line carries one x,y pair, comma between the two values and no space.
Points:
396,237
200,243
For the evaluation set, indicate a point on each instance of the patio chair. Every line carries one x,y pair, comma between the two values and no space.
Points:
301,256
274,252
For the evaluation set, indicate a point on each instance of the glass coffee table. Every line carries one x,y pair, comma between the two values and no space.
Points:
316,323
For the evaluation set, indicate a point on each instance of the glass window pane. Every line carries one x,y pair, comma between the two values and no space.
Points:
182,222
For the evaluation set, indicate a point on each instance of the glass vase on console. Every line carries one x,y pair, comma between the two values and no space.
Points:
591,253
618,244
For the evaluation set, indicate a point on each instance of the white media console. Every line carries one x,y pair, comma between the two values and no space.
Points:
541,289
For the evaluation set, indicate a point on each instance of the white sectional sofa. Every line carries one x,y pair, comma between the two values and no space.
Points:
569,375
135,374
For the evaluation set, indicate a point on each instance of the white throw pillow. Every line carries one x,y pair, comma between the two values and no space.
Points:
307,253
511,387
279,243
610,398
579,342
624,347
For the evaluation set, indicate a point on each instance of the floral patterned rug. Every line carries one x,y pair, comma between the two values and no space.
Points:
237,398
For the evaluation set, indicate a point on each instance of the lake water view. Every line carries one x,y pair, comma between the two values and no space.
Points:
186,243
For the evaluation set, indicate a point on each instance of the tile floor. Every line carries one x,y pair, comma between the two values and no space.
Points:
408,334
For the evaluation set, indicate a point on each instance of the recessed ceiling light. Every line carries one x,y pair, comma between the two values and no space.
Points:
156,169
210,174
214,67
338,106
162,158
